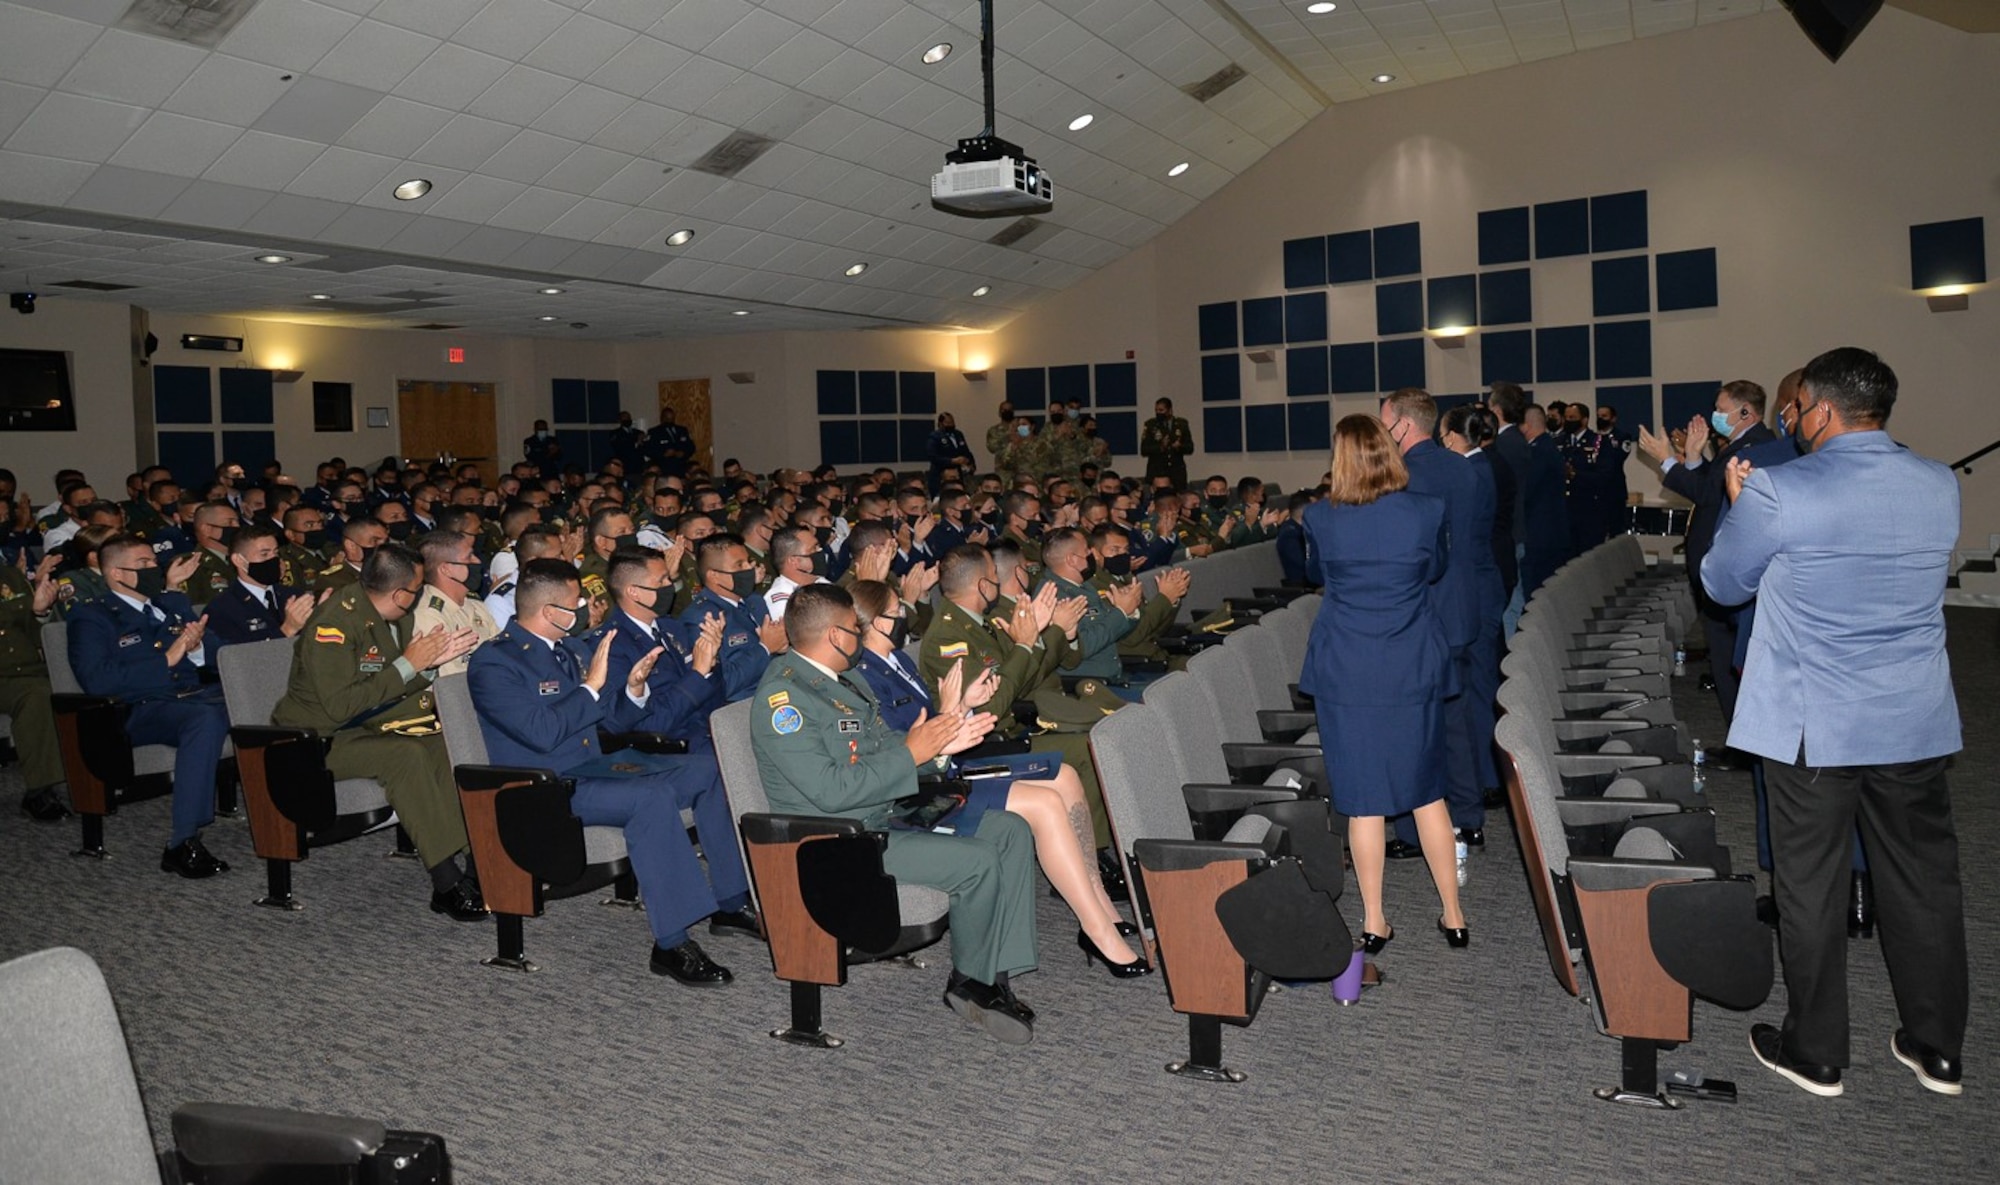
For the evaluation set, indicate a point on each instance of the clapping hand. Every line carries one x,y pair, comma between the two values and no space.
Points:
1697,439
188,641
708,644
635,680
1655,445
983,688
1129,597
971,731
918,582
1067,614
951,690
182,568
1173,584
1021,627
297,609
873,562
772,635
600,662
1739,471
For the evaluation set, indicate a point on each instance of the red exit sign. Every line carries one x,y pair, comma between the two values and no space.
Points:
454,355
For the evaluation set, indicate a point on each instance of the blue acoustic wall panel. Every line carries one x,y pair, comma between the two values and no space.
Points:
1562,354
1305,262
839,442
600,400
1686,279
1620,287
1454,302
189,455
569,401
1305,371
1069,382
1506,298
1309,425
1399,308
599,444
1618,222
246,398
836,398
1221,378
914,441
1562,228
917,390
1681,402
1624,349
252,450
1027,388
181,396
1399,364
1217,325
1399,250
1120,430
878,442
1264,321
1264,428
1118,385
1350,257
1503,236
1352,369
1947,253
1633,403
1507,356
1221,430
1305,317
877,389
575,444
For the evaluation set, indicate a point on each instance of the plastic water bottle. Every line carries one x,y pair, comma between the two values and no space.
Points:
1463,851
1700,767
1680,660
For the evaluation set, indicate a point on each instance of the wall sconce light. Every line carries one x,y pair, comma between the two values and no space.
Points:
1262,357
974,376
287,376
741,377
1953,298
1451,337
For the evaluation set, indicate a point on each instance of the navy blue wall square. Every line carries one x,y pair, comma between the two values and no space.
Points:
1221,430
1309,425
1027,388
836,397
1264,321
1446,402
1350,257
1681,402
575,445
181,396
1120,430
1624,349
1562,354
878,392
1562,228
1305,262
1399,308
918,392
600,399
1118,385
1305,317
914,441
1618,222
1686,279
1400,364
569,401
246,397
1305,370
1507,356
1399,250
1218,325
1222,377
1506,298
839,442
1634,405
1947,253
1503,236
1069,382
1352,369
1620,287
1264,428
189,455
878,442
1454,302
599,445
252,450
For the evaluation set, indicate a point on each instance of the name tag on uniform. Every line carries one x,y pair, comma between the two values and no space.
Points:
736,639
551,687
850,726
125,640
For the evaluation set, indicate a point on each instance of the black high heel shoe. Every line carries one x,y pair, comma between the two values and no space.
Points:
1131,970
1127,930
1457,938
1373,943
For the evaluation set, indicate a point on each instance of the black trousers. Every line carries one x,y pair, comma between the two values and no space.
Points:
1720,634
1905,815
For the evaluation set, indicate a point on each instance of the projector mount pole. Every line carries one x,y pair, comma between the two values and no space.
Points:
986,145
986,58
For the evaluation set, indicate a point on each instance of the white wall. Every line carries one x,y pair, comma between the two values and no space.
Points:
95,335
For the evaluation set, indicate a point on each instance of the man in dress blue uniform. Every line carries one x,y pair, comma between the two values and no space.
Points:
258,606
684,686
142,645
669,445
628,445
540,704
541,450
947,447
729,590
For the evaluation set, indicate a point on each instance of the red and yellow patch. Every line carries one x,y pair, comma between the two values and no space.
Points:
330,635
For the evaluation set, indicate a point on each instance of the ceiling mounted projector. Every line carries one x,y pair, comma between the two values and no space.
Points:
985,176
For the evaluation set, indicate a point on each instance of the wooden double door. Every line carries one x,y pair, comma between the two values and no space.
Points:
455,420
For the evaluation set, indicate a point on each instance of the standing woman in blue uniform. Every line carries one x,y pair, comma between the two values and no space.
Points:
947,447
1378,668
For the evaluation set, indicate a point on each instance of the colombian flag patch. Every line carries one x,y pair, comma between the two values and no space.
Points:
330,635
779,700
954,650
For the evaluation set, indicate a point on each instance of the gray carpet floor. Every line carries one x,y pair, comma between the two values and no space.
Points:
1466,1065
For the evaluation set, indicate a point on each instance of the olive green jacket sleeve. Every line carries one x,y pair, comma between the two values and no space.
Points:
344,665
808,762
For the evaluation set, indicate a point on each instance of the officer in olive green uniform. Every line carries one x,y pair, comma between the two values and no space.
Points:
337,576
24,691
213,575
79,586
298,567
1155,616
1104,626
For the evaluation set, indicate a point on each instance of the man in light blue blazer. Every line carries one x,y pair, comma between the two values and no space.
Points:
1847,696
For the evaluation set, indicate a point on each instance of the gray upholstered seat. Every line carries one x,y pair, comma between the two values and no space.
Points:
146,759
254,678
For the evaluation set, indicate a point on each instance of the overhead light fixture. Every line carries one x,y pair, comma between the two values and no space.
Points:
411,190
937,53
1950,298
1081,122
321,296
1322,8
1178,169
855,269
1383,78
1451,337
550,291
982,290
274,259
680,238
546,317
739,312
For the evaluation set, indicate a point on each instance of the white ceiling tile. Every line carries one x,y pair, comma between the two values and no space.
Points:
428,235
692,83
476,198
16,104
376,55
289,33
633,184
396,127
229,90
112,190
130,68
40,180
361,226
523,95
586,171
743,100
638,228
639,67
169,143
528,156
211,203
587,219
689,141
584,112
639,128
467,141
342,174
76,128
453,77
693,25
534,210
511,29
633,14
798,58
752,39
295,216
263,161
835,79
40,47
583,44
439,18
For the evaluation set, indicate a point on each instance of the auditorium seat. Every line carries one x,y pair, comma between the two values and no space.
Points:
1196,733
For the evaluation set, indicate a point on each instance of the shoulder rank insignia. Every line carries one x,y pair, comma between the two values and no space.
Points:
331,635
437,602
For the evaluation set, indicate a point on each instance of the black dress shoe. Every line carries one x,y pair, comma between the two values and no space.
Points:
1767,911
1726,759
1861,906
1132,970
1768,1044
1396,849
689,964
44,806
461,902
736,921
1113,875
1934,1071
1707,682
1004,1018
1455,937
190,860
1472,837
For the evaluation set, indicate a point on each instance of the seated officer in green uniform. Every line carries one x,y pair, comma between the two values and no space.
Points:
1108,617
823,749
26,597
1021,520
362,676
359,539
215,526
1111,547
302,554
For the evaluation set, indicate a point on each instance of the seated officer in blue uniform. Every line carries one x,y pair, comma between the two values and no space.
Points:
256,607
540,704
684,686
142,645
728,588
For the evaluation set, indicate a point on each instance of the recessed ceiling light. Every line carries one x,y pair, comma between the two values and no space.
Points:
551,291
274,259
1080,122
1383,78
412,189
855,269
1178,169
680,238
321,296
1322,8
546,317
982,290
937,53
739,312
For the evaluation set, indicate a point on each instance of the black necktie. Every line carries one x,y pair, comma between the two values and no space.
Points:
271,599
567,662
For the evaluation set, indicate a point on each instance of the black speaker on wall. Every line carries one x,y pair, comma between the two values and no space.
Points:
1833,25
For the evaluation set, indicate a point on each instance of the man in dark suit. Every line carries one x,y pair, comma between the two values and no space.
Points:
669,445
142,645
1738,424
1509,450
259,605
1543,509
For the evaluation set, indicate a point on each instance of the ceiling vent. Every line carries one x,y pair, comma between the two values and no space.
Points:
197,22
1215,83
1015,231
734,154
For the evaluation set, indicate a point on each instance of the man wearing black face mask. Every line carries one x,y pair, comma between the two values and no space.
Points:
1108,617
395,519
1166,442
215,526
1111,549
1595,467
358,541
451,572
628,444
729,590
258,605
610,529
1024,524
795,553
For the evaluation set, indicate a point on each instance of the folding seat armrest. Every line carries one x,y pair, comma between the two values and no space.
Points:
1586,730
1214,797
1579,764
1611,874
259,736
1654,740
1253,761
760,828
1600,812
233,1138
1189,855
1669,781
1608,700
97,723
1184,644
1283,594
1301,702
1284,726
657,743
1142,666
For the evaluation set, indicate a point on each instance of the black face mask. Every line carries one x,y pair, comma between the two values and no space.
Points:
265,572
991,519
836,508
1217,501
1575,427
366,552
226,536
1033,530
846,656
742,585
353,509
1118,565
811,559
314,540
622,541
150,582
1089,566
1603,425
899,633
399,531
